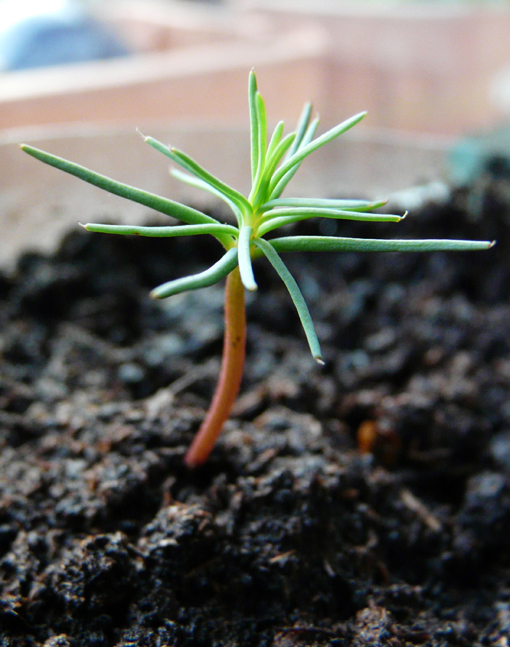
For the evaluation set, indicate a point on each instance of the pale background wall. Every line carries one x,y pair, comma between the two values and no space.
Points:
418,66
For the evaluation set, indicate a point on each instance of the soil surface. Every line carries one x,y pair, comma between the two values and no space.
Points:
362,503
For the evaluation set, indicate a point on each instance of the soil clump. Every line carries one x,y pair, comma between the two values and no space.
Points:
289,535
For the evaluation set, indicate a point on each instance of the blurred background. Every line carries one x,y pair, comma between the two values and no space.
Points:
80,76
426,66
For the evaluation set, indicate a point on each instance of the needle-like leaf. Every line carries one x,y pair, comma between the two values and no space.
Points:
202,280
269,168
278,186
301,128
156,202
262,128
273,159
304,151
337,244
280,219
351,205
295,293
193,167
254,125
276,138
200,184
162,232
245,266
260,116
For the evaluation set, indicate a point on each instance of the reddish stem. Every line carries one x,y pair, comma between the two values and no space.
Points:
232,366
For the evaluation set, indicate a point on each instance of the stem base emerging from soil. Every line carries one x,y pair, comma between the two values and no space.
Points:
232,367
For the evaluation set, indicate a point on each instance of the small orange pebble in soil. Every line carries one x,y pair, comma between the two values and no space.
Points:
373,439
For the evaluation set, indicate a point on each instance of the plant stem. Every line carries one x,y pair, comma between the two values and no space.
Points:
232,366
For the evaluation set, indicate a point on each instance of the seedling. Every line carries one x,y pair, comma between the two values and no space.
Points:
274,162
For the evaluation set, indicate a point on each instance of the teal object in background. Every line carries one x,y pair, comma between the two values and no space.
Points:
485,153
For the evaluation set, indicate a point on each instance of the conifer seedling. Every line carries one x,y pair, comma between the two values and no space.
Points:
274,161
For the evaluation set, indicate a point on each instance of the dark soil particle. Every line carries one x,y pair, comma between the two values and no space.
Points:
365,503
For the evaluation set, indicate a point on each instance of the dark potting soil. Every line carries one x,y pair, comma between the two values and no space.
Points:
366,502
